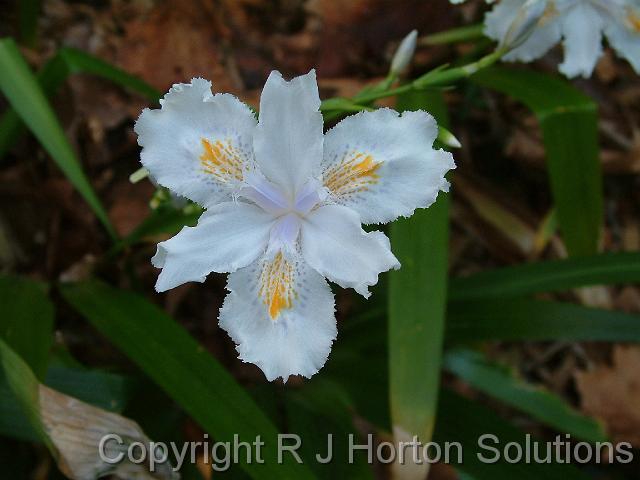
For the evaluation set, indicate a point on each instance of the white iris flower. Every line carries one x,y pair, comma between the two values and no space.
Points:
579,24
284,206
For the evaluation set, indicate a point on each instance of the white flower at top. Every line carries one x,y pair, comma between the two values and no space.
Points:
579,24
284,206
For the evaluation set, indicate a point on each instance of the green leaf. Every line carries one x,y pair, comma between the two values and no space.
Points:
66,62
499,382
26,322
103,390
78,61
417,300
462,420
320,417
603,269
25,95
569,122
183,368
25,387
531,320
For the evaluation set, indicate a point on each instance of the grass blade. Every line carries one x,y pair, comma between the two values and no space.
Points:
26,323
417,300
176,362
550,276
569,122
25,95
66,62
531,320
462,420
499,382
78,61
24,385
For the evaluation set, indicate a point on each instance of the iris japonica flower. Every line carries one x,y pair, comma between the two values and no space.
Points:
578,24
284,206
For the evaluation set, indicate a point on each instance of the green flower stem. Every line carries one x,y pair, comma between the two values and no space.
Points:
439,77
455,35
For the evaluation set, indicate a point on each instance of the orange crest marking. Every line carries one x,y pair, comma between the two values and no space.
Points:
634,19
276,287
355,172
221,160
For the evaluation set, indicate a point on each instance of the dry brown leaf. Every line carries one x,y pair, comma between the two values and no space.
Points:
76,429
174,43
612,394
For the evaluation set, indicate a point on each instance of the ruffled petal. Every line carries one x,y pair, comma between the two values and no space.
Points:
382,164
280,313
197,144
228,236
334,244
288,139
582,27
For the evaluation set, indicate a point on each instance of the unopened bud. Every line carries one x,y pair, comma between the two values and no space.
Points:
447,138
404,53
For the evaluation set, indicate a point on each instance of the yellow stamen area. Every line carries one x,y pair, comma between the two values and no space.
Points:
634,20
221,159
276,287
354,173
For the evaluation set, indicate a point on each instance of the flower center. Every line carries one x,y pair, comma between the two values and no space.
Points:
288,210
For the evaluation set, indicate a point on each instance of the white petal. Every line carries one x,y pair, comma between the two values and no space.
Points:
383,165
334,244
228,236
288,139
624,37
582,30
280,313
197,144
500,20
543,38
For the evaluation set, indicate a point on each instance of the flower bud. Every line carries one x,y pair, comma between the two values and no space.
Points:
404,53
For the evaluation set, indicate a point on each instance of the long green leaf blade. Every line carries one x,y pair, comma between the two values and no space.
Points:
26,320
462,420
550,276
417,300
66,62
25,95
25,387
569,122
176,362
499,382
530,320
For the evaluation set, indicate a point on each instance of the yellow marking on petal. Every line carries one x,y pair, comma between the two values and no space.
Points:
634,20
355,172
276,285
221,159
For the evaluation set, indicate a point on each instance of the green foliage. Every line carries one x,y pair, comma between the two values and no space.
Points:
26,323
24,386
465,421
549,276
22,90
528,320
569,121
417,300
498,382
183,368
